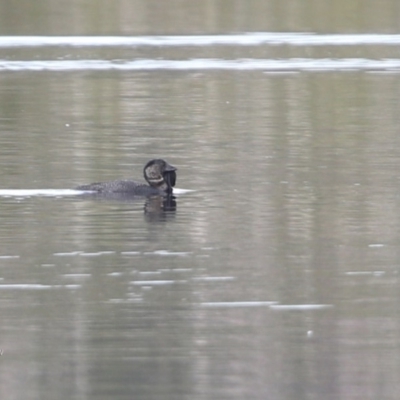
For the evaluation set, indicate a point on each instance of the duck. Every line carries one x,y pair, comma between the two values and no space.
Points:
160,176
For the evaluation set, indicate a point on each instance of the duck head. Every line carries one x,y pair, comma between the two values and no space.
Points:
159,174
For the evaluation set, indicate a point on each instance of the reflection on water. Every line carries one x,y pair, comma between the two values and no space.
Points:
273,274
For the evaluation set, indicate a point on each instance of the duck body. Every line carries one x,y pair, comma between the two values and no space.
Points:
160,176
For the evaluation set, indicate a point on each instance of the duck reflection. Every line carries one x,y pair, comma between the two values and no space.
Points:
158,208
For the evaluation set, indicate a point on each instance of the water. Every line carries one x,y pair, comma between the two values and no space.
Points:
276,274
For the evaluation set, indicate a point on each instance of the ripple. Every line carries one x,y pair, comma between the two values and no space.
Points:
168,253
155,282
300,307
36,286
38,192
56,192
214,278
224,304
267,65
243,39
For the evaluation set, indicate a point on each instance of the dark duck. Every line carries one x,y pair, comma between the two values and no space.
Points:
159,175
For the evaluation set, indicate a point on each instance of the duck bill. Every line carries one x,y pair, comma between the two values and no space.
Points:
170,176
169,168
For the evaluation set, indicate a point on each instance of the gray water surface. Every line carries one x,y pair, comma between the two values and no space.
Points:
275,276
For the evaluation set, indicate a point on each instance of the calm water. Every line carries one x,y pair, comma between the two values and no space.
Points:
276,276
